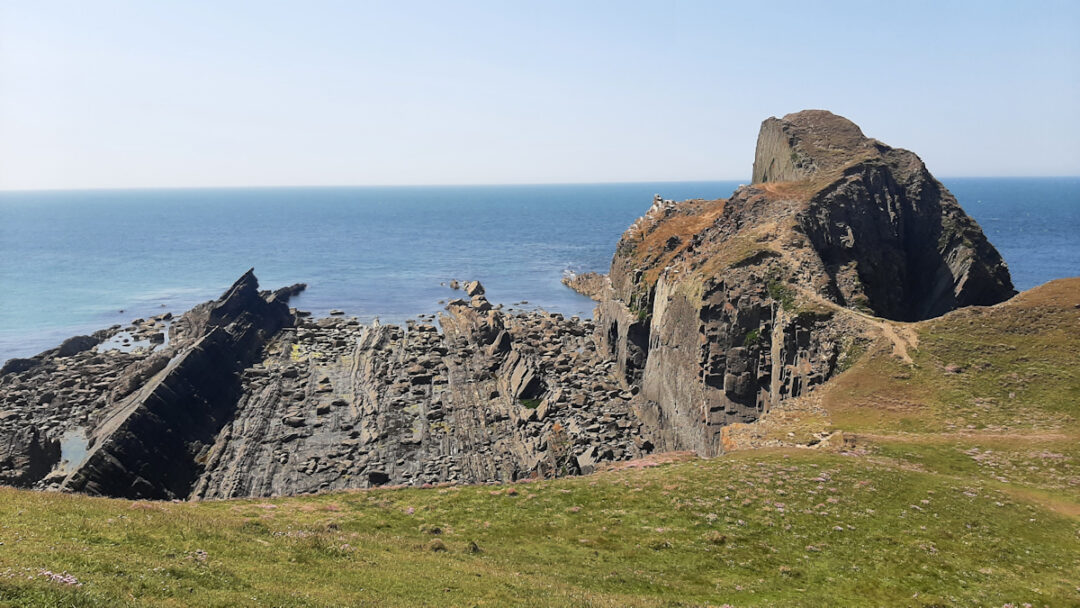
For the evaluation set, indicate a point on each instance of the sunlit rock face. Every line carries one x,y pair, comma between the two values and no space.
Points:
719,309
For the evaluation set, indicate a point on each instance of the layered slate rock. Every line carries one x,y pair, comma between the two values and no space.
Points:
892,238
248,398
151,443
718,309
26,455
494,397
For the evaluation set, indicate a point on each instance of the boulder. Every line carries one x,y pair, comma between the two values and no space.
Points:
76,345
14,366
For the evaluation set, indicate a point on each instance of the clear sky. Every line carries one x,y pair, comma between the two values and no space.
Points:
147,94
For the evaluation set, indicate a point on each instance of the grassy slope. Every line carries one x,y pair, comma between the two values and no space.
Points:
791,527
956,494
1011,415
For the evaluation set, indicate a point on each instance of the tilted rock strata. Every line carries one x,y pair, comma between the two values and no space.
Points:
248,400
150,444
44,398
495,397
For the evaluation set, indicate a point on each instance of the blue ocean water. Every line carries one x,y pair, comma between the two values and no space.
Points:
76,261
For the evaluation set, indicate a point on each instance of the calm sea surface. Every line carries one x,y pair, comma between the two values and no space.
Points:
73,262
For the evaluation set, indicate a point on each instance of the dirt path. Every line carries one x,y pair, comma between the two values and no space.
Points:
902,339
942,437
902,335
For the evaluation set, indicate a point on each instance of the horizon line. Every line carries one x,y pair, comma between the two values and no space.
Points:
459,185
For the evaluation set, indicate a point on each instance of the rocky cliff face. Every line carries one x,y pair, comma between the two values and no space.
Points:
719,309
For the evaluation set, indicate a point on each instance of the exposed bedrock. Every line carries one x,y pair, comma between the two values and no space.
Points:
589,284
27,455
493,397
891,237
249,400
150,444
719,309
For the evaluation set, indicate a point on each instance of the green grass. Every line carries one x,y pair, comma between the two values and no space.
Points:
792,528
782,293
1042,465
1019,371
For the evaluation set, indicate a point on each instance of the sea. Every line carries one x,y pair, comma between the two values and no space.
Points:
72,262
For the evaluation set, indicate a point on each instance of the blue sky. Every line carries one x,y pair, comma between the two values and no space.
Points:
156,94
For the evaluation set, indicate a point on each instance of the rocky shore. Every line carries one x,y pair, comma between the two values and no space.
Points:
249,398
714,312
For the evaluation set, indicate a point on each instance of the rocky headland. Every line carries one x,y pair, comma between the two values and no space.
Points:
714,312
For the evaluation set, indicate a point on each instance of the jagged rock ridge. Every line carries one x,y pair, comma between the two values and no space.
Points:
150,444
252,399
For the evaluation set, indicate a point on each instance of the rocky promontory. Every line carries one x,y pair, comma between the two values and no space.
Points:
718,309
713,312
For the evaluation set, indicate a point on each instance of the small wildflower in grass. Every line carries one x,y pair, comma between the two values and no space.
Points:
198,555
62,578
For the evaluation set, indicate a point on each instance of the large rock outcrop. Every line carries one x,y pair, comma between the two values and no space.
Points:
152,443
718,309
